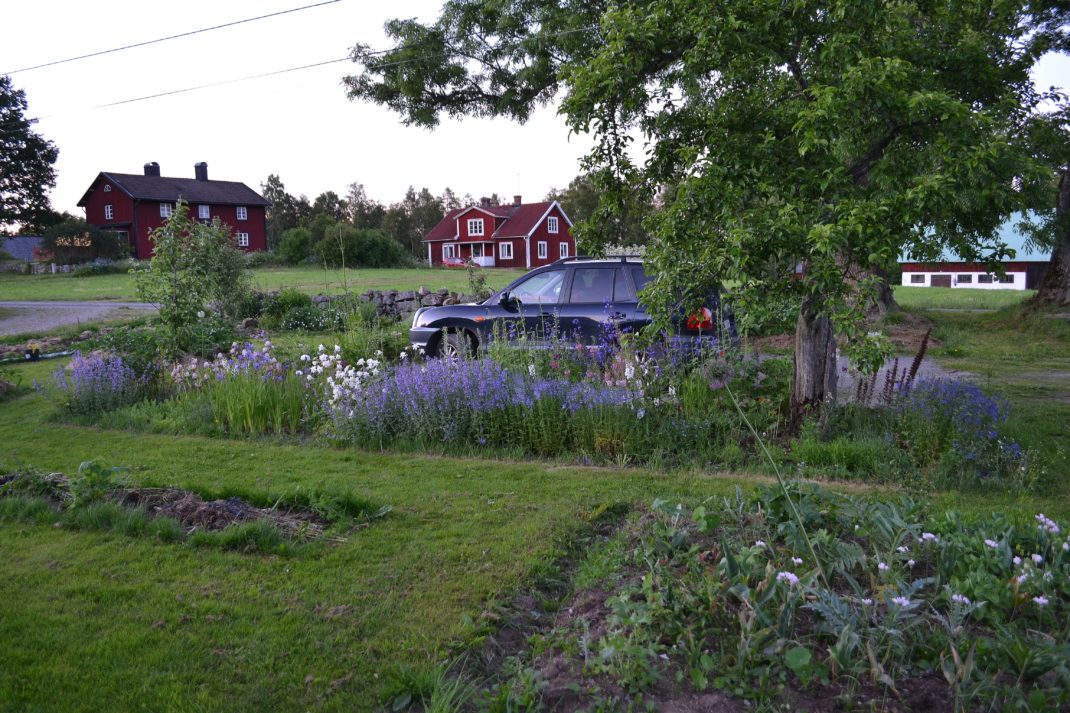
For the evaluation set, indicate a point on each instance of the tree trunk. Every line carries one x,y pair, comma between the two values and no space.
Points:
813,383
1055,289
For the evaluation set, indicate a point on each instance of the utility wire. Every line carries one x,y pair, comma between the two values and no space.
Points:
173,37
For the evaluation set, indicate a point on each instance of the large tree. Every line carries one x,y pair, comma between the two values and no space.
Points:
26,163
830,135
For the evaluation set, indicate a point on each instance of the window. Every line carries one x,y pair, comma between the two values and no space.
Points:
562,250
593,285
477,250
542,249
243,240
622,289
243,213
475,226
109,212
107,188
544,288
551,224
166,209
203,212
984,279
917,279
964,280
505,251
1006,279
449,251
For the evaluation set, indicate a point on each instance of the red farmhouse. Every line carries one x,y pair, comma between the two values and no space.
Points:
134,205
518,235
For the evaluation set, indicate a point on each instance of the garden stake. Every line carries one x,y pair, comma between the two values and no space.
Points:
783,487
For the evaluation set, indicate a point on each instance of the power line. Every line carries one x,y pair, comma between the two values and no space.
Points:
217,84
173,37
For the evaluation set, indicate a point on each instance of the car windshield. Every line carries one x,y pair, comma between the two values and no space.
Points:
544,288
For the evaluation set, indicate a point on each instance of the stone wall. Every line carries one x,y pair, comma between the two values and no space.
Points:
403,303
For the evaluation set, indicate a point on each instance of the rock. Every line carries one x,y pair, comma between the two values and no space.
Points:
431,301
86,335
423,291
406,296
450,301
443,291
321,299
250,323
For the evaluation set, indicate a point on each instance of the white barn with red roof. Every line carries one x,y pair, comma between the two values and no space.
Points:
523,235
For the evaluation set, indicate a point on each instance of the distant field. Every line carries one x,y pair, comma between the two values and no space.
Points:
914,298
306,279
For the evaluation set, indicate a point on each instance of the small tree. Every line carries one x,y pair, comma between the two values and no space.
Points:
75,240
195,268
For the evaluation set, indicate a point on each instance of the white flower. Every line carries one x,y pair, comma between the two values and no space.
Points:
882,566
911,563
796,560
305,357
929,537
788,577
1046,523
759,543
1021,578
639,414
1040,601
1066,547
902,550
337,349
960,599
993,544
298,372
531,370
1016,560
901,601
1037,559
200,314
868,602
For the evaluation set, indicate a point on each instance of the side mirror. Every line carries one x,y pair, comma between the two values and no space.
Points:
506,300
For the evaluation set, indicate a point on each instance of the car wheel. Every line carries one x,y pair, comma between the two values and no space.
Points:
455,345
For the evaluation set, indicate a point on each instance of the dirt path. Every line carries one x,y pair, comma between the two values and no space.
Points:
40,317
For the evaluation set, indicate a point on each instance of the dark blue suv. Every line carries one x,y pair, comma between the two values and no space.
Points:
579,298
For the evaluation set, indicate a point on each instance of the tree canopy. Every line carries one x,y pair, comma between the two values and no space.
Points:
834,136
26,163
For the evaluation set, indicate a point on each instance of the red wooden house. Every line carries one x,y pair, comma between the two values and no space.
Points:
519,235
136,204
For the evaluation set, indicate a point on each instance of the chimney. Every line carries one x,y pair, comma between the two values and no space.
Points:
200,170
516,200
484,201
152,169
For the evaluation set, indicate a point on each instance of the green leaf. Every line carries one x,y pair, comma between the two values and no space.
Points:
797,658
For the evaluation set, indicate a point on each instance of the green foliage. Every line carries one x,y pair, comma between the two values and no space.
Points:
477,281
344,245
195,269
255,403
27,162
76,241
296,245
92,483
101,266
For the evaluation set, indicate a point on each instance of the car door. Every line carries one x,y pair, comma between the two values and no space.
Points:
593,313
535,301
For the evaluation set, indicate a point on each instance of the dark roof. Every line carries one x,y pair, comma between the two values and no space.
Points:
20,247
165,188
519,220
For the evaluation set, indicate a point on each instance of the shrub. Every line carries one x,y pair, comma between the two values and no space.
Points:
344,245
295,246
102,266
97,384
263,258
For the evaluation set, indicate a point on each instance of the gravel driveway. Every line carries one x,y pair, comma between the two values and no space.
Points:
40,317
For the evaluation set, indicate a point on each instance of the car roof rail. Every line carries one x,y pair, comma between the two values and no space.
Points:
577,258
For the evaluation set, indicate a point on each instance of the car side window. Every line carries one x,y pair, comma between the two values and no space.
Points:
592,285
639,277
622,288
544,288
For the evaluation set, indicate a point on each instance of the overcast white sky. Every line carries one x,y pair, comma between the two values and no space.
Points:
298,125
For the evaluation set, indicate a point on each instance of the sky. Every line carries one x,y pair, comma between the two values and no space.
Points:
298,125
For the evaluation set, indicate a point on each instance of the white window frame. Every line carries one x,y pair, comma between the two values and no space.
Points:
552,225
243,213
505,251
109,212
166,210
475,227
243,240
562,250
204,212
542,250
449,251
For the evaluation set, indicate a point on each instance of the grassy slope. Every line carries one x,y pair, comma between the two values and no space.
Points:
306,279
918,298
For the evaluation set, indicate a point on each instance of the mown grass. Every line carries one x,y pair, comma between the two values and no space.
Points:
93,619
312,280
916,298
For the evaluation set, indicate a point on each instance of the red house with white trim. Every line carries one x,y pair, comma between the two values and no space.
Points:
521,235
134,205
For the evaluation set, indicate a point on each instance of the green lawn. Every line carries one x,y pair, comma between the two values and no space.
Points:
915,298
92,620
306,279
